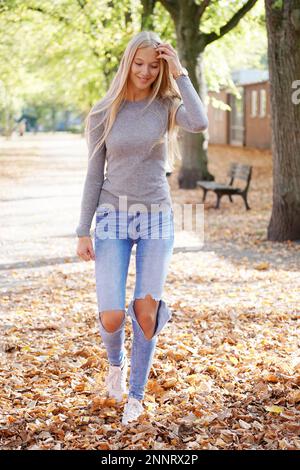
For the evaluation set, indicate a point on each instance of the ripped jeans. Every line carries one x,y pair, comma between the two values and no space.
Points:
115,234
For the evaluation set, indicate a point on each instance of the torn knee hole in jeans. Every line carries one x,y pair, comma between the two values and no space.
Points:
143,297
117,328
158,300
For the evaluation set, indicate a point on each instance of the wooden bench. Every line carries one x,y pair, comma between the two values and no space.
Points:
236,171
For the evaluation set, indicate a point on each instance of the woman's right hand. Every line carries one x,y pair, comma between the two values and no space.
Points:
85,249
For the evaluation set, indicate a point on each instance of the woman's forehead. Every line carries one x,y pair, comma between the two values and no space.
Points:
147,53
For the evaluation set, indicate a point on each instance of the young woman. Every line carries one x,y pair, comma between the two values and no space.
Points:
133,128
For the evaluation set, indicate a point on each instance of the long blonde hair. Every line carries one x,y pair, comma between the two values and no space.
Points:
164,88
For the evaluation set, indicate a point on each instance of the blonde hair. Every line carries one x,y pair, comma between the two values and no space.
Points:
164,88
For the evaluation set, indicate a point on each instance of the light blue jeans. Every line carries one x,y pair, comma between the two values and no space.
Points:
115,234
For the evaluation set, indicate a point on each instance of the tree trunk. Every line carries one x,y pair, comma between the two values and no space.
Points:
283,26
193,146
53,119
8,121
147,14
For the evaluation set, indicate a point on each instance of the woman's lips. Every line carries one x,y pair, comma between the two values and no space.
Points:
144,80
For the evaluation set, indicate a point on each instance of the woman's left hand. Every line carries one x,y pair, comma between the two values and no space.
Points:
167,52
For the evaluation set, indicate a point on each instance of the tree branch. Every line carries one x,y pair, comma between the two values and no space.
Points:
82,4
209,38
61,19
202,8
148,7
172,7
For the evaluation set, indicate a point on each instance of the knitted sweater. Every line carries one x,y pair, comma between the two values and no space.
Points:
135,153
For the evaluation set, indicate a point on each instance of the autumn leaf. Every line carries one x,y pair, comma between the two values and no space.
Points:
262,266
274,409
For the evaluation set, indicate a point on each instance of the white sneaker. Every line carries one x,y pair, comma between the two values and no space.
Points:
133,409
116,381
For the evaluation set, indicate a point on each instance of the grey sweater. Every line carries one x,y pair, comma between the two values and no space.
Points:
135,153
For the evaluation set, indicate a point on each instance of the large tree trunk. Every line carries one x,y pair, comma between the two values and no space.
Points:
283,26
193,146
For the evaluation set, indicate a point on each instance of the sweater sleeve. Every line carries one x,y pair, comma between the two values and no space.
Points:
190,114
94,177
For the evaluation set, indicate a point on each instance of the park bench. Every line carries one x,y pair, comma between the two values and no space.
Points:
236,171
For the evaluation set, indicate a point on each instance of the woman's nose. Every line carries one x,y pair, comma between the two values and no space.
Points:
146,72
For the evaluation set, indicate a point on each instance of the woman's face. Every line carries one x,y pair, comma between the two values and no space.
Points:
144,68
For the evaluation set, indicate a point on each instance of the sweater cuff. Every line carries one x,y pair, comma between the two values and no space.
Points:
83,232
184,78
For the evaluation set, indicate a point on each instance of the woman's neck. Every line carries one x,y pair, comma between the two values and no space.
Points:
137,95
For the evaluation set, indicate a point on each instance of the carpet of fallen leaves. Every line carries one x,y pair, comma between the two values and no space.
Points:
226,373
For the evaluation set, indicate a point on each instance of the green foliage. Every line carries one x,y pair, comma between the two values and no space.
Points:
66,52
243,47
277,5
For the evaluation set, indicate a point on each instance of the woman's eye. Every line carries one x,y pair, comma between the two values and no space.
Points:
153,66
